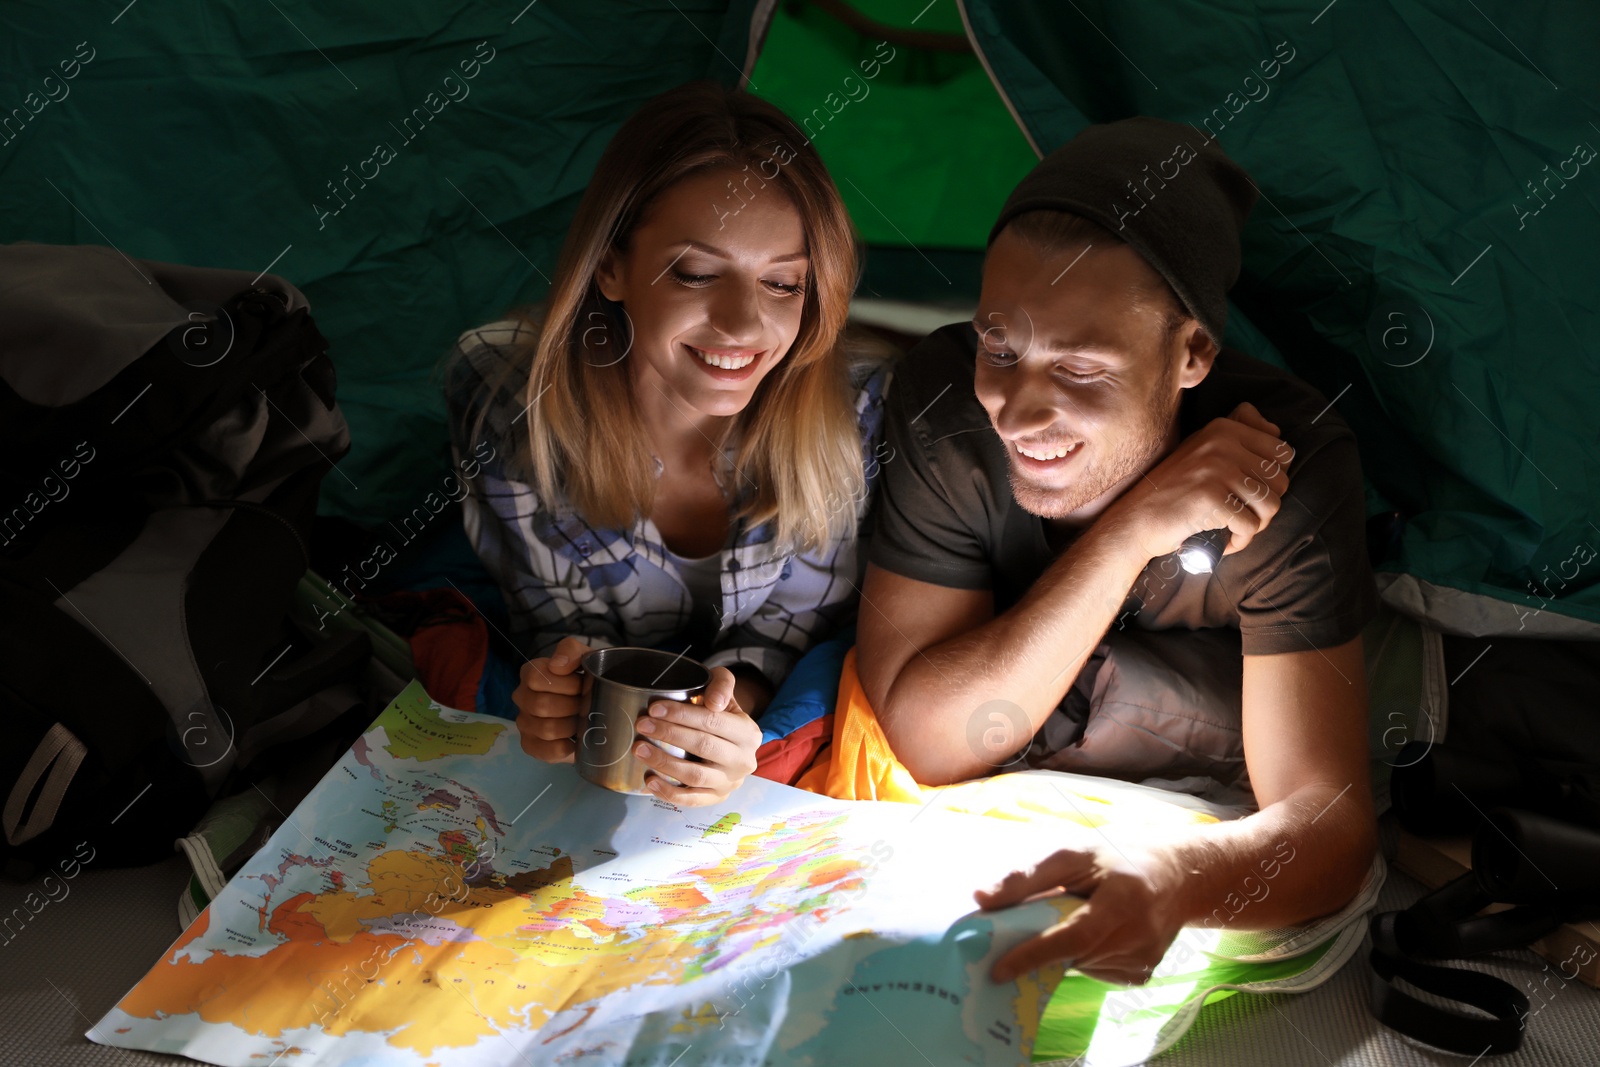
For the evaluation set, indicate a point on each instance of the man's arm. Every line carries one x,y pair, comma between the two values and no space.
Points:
1302,855
1305,744
931,658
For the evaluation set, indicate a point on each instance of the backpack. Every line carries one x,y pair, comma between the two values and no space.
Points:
164,431
1518,772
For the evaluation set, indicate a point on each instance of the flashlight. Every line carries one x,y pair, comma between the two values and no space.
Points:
1200,553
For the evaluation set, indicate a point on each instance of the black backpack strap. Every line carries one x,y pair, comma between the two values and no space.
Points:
1470,1035
1445,925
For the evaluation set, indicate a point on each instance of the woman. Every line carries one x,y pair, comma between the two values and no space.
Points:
680,444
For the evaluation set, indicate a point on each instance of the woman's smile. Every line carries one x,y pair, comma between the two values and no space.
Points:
726,364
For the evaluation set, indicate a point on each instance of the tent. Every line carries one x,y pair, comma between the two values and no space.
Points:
1370,264
1422,251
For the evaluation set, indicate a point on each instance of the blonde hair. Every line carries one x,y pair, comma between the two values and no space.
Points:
799,455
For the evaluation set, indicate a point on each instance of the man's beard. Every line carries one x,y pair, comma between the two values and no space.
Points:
1104,464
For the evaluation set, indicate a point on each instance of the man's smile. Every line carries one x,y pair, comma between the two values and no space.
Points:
1045,458
1047,452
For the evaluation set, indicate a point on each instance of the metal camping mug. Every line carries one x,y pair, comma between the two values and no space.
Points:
619,684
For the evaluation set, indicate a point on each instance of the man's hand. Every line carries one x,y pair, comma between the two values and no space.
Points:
1229,473
1305,744
547,703
1122,931
718,732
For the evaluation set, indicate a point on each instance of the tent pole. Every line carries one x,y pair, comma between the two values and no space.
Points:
760,23
977,50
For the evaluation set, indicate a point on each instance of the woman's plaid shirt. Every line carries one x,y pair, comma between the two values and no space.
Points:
561,576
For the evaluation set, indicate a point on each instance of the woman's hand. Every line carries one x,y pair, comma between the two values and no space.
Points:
717,731
548,704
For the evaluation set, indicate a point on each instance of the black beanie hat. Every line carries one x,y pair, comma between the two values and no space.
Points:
1165,189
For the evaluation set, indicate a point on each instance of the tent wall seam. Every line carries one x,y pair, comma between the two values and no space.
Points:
977,50
760,23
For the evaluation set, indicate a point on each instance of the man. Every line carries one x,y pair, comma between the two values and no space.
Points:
1051,459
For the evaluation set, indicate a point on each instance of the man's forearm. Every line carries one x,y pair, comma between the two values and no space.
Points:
1300,858
1026,657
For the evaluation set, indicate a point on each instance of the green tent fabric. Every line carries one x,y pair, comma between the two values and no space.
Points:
237,135
1411,255
1423,250
1369,263
876,107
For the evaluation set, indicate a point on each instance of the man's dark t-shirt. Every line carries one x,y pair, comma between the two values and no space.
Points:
945,514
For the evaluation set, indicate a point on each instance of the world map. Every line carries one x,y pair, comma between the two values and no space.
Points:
440,898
